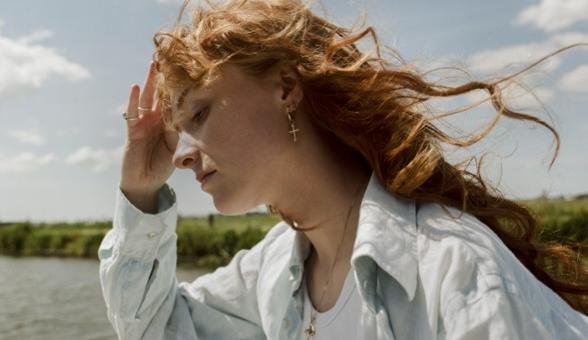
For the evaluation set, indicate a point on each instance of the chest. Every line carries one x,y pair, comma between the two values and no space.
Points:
341,321
323,290
381,314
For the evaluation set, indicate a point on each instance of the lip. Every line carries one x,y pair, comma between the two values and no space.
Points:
203,178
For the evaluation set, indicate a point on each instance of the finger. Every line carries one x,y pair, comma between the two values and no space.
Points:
132,104
146,100
155,109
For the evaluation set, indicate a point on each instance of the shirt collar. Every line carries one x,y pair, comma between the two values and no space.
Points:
386,236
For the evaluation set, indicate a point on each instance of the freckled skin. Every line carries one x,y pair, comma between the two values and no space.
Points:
243,135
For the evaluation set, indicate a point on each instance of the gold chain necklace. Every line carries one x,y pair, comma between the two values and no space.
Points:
311,330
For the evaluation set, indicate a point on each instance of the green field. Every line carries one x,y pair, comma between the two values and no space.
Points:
210,241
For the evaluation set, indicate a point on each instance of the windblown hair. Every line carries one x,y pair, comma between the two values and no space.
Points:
375,107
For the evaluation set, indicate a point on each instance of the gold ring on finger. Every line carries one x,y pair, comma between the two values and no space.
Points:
127,117
143,108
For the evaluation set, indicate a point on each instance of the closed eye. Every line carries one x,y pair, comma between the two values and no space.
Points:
198,116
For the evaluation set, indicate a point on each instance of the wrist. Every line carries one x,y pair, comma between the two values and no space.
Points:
146,201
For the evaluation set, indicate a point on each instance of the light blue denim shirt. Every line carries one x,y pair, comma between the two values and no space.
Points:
420,273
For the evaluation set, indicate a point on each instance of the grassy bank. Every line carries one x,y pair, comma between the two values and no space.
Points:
562,220
203,241
212,240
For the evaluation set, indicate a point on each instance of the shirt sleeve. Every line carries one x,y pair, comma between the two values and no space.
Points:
143,297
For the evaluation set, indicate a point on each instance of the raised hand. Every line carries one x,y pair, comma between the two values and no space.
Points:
147,160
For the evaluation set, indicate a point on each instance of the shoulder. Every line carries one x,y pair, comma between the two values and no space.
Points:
446,232
461,260
476,280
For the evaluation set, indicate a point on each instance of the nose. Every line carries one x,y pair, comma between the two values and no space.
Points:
186,152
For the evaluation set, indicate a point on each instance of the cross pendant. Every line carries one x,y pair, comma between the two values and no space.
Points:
293,131
310,332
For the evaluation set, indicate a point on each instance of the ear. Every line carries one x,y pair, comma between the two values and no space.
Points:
289,86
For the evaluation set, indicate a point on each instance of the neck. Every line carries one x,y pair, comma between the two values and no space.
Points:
319,191
330,206
334,241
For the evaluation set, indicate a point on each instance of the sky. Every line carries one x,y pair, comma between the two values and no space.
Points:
66,68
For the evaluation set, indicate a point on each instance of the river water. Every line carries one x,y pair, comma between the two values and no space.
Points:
56,299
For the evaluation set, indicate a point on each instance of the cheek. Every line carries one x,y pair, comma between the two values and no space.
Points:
254,128
248,136
268,133
233,141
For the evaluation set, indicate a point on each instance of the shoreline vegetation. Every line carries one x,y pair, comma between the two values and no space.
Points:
211,241
204,242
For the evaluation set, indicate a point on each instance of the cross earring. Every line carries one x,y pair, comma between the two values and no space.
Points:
293,129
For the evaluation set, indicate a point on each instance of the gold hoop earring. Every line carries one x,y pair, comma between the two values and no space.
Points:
274,211
293,130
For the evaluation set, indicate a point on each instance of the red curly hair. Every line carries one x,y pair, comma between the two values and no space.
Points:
375,107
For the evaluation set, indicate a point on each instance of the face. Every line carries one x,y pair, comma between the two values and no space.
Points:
236,126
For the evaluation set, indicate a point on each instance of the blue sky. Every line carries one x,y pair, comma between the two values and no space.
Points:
66,67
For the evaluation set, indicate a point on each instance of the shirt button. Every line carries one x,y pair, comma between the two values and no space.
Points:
152,234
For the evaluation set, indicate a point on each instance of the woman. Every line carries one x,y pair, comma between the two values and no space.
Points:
382,238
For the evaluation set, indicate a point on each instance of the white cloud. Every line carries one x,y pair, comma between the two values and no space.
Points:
568,38
553,15
576,80
34,37
24,162
32,137
520,98
493,60
490,61
96,159
27,65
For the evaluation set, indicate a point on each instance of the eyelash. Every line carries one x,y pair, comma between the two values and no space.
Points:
198,116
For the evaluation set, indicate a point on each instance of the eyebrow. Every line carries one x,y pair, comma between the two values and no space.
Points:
181,98
179,104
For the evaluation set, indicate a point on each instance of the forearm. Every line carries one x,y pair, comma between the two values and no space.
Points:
137,266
